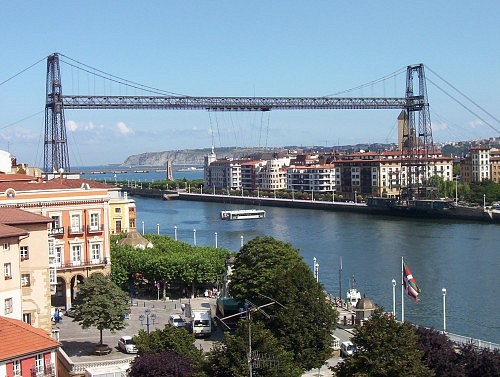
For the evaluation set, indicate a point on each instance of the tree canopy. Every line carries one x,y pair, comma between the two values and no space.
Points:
162,364
100,303
384,347
302,319
269,358
167,261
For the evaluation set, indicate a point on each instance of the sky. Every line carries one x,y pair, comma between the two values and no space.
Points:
253,48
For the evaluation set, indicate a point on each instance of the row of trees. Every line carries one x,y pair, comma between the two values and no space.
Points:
168,261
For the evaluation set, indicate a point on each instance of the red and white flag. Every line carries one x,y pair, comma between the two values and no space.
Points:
410,283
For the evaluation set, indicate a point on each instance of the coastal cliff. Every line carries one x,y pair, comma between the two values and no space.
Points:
190,156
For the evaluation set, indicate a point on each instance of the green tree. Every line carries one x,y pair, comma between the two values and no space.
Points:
267,269
170,338
385,348
100,303
230,358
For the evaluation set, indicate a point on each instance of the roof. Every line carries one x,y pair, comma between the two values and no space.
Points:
10,231
16,216
135,239
19,339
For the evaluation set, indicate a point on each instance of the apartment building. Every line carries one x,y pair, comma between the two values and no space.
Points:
495,165
33,267
315,178
78,232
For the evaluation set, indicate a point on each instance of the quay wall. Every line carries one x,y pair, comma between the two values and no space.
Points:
457,213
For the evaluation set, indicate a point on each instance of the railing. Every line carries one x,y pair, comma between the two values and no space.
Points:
80,367
77,264
460,339
95,229
75,230
56,231
48,371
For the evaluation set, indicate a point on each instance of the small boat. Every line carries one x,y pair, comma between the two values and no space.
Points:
243,214
353,295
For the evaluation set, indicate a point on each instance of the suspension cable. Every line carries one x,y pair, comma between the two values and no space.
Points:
24,70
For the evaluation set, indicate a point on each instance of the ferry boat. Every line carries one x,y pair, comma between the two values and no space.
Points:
243,214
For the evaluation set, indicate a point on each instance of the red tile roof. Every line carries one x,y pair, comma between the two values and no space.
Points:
10,231
16,216
19,339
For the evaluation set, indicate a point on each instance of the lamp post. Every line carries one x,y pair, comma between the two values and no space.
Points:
355,197
484,202
201,189
456,190
316,269
158,229
444,309
394,298
333,196
175,232
146,316
215,239
241,238
194,237
143,228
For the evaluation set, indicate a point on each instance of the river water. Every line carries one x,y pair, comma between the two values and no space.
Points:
461,256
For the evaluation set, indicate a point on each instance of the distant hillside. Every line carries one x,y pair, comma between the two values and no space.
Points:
189,156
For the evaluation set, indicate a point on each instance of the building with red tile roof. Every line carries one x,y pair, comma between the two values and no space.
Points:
25,350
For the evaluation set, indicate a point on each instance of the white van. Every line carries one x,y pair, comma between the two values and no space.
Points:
347,349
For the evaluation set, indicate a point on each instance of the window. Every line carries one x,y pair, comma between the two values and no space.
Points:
16,368
7,271
56,221
8,305
75,223
96,252
25,254
58,255
6,247
76,255
39,363
118,210
27,318
94,221
25,280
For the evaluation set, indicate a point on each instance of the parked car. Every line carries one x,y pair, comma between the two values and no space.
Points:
176,320
126,345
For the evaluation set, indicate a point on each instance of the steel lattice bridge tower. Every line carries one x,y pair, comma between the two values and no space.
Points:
417,142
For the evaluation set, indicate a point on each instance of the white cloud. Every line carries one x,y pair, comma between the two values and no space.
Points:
123,129
476,123
439,126
73,126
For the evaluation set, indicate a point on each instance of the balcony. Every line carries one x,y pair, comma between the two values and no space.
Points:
72,230
95,228
56,231
80,264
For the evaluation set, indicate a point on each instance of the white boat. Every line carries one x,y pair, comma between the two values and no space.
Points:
353,295
243,214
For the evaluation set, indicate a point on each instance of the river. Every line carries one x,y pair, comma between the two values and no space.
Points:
461,256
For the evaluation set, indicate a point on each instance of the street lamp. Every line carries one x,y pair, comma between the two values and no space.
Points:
394,298
143,228
444,309
175,232
146,316
201,189
333,196
355,197
241,241
194,237
215,239
316,269
158,229
484,202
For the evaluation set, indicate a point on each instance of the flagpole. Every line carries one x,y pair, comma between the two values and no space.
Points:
402,292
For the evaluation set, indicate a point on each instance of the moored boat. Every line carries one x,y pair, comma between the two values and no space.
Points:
353,295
